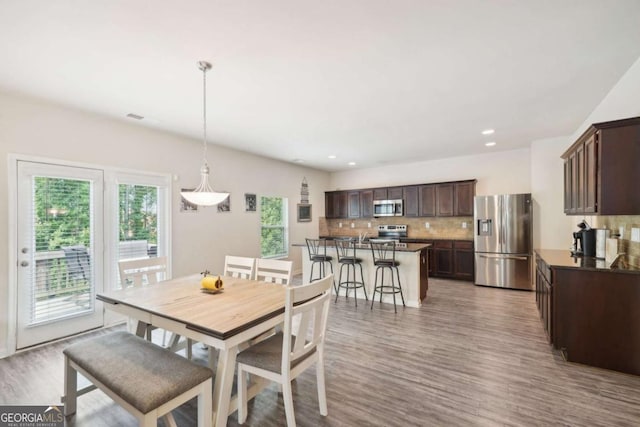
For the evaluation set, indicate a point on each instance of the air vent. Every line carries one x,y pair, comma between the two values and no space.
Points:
135,116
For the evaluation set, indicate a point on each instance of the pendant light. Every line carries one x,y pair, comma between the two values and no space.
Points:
204,195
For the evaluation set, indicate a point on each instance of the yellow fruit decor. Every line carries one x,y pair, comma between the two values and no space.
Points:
210,282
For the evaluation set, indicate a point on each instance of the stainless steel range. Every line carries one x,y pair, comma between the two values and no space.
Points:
393,232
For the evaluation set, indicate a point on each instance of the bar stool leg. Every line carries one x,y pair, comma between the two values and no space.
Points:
375,287
400,286
393,289
334,278
340,282
364,289
355,289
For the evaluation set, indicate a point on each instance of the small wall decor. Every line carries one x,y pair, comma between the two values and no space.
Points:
250,202
304,212
225,205
185,205
304,207
304,191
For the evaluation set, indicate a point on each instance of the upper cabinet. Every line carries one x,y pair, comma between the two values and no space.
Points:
388,193
463,202
335,204
600,168
427,200
411,201
366,203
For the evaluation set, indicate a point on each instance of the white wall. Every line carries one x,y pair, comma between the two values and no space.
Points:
500,172
199,240
621,102
552,228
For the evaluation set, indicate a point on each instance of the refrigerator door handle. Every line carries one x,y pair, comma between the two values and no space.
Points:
517,258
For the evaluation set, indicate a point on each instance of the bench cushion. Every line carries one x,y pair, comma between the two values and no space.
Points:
141,373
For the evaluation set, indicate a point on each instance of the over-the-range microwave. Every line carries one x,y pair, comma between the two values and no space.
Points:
387,208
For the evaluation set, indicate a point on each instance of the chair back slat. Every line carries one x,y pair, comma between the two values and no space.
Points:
383,250
346,248
238,267
139,272
310,305
274,271
316,247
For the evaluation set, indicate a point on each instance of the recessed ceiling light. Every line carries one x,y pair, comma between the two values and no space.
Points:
332,156
351,163
490,144
298,161
488,132
135,116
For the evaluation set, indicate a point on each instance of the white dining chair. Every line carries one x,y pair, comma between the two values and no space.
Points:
284,356
274,271
239,267
144,272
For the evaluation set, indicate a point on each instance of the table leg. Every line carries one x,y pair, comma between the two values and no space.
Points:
224,385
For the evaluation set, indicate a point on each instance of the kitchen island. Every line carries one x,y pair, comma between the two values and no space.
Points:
414,268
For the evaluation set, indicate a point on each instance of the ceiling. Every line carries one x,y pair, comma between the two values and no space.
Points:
369,81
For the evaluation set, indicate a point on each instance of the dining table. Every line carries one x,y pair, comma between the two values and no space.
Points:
224,320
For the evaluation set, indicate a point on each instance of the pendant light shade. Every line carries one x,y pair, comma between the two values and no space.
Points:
203,194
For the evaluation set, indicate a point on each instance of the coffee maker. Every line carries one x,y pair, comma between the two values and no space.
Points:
584,241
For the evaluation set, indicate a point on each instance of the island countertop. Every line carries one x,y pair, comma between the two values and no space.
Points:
400,247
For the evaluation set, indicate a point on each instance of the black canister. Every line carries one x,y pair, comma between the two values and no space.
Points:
588,242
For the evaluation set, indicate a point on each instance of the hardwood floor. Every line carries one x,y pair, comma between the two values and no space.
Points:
469,356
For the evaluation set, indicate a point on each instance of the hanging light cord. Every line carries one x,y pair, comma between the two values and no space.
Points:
204,109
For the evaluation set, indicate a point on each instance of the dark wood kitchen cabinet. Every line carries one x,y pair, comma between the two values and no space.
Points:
366,203
600,166
455,198
411,201
353,202
388,193
544,299
444,199
380,194
463,202
427,199
336,204
443,257
463,260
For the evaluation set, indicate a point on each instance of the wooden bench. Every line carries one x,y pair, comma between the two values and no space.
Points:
145,379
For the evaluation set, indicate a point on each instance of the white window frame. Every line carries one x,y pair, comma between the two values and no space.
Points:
285,227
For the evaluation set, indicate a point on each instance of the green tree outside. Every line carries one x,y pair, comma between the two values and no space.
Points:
273,240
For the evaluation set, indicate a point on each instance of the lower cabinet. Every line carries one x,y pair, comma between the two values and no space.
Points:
450,259
544,296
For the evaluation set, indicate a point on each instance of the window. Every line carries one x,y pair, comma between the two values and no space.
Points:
139,227
274,231
138,221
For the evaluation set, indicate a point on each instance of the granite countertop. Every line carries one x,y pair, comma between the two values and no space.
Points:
406,247
558,258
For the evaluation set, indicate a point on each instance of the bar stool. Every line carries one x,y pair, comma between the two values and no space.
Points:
318,254
346,249
384,256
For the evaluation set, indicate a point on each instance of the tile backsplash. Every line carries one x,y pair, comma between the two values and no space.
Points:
439,228
625,222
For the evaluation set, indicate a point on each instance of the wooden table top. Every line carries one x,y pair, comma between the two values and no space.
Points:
242,303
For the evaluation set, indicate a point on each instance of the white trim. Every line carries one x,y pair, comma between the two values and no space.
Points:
112,175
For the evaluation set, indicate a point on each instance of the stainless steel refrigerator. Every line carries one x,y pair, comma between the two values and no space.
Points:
503,241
